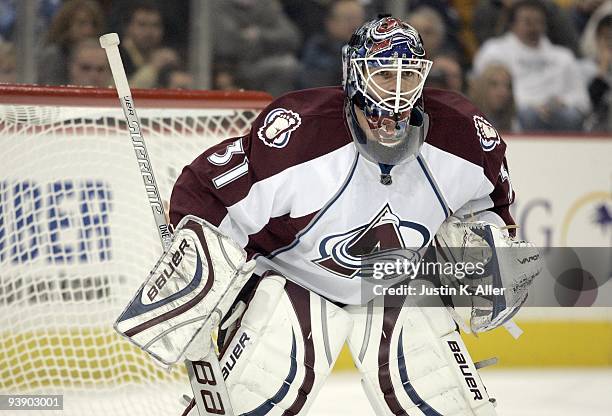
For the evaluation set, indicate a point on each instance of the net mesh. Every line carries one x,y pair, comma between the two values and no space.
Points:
77,239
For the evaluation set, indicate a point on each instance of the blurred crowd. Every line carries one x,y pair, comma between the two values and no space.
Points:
529,65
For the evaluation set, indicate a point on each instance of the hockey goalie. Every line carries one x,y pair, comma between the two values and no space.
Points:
272,231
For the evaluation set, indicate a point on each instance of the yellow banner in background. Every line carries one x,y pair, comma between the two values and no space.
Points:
543,344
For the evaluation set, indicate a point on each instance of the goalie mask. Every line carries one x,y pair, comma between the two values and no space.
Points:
384,73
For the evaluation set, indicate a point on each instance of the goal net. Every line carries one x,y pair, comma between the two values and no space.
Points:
77,236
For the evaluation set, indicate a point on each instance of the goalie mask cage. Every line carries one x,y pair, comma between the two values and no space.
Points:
77,236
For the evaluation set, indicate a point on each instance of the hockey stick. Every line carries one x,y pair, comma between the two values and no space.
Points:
205,375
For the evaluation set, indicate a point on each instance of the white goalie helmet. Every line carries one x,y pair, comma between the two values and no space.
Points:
384,73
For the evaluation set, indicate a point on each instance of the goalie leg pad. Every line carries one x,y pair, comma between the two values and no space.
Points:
412,360
283,350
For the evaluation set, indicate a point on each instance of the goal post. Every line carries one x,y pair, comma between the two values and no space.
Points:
77,237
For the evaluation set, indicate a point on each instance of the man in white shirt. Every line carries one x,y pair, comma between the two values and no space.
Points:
549,90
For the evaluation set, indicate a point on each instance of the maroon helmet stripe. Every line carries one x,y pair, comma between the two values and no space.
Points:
300,300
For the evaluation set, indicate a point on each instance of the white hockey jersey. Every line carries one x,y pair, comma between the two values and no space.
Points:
297,195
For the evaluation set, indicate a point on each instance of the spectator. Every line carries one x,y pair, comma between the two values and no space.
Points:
549,89
597,49
174,77
175,17
46,9
223,76
446,73
307,15
465,32
76,20
492,19
141,47
430,25
8,64
448,11
491,91
588,43
581,12
258,40
322,57
88,65
8,15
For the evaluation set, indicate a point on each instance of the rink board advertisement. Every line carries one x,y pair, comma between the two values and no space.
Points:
563,188
77,239
78,212
81,206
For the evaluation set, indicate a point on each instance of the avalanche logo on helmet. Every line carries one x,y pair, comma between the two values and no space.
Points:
384,239
278,126
387,29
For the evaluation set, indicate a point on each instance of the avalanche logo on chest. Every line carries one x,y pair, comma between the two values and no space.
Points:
278,126
354,252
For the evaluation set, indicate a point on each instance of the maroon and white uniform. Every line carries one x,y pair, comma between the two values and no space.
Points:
297,195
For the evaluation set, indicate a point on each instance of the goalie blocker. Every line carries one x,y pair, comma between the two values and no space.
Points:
189,291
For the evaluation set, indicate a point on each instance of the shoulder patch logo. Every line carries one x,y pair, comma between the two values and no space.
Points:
278,126
489,137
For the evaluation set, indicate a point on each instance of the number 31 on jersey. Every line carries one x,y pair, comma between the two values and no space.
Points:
222,159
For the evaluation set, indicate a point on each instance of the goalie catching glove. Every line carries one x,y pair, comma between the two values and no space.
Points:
189,291
510,265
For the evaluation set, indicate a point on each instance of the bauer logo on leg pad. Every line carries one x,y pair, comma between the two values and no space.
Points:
234,352
465,370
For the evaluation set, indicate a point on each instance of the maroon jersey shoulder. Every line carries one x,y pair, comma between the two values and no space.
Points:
299,126
458,127
292,129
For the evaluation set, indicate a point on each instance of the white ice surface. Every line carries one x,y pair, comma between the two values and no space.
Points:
559,392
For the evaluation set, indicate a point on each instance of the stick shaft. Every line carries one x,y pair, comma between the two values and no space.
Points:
205,375
134,126
118,70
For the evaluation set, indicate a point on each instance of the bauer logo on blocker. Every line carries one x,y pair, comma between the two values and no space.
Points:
278,126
